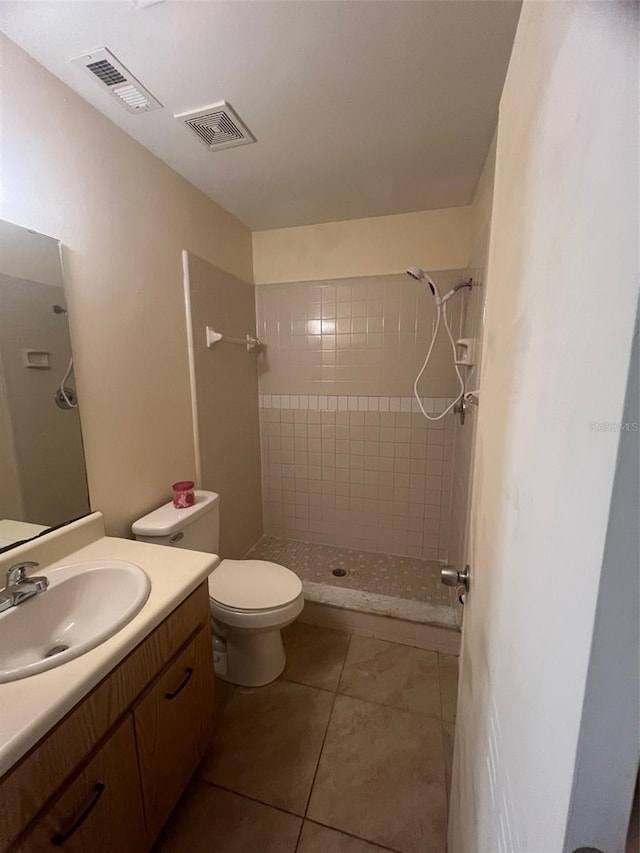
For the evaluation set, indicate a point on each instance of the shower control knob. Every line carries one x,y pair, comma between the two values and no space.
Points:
450,576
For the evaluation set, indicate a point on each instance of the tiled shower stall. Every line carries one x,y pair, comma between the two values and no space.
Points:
347,457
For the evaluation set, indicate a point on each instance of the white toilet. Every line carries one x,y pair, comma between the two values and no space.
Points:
251,600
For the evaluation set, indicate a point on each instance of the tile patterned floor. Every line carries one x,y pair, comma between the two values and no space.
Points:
348,752
383,574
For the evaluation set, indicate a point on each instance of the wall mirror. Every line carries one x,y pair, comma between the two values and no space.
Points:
42,471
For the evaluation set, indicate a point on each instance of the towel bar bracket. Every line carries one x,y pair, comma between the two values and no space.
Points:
214,338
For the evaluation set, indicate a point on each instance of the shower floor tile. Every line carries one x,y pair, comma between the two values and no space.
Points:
366,571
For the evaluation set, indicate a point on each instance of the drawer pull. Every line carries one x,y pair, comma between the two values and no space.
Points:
182,684
61,837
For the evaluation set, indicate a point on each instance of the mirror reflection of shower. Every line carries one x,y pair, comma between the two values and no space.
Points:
65,397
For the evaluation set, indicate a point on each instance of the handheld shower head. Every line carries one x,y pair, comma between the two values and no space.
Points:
416,272
420,275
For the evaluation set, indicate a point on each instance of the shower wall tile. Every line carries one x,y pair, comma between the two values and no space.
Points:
353,337
356,477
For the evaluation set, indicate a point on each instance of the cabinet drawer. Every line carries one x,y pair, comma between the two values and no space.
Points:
174,724
100,811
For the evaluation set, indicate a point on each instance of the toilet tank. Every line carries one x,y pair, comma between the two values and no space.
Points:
196,527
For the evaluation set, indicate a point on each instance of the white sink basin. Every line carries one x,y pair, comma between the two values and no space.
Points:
85,604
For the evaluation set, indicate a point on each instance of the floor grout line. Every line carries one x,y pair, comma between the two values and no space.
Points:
304,684
302,822
440,687
337,693
442,722
353,835
301,818
249,797
336,690
324,739
444,768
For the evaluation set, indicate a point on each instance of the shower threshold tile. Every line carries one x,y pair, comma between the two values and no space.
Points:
381,605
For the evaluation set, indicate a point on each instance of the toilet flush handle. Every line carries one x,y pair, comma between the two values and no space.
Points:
176,538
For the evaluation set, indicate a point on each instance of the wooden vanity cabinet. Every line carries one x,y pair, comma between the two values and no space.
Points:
101,809
106,778
173,728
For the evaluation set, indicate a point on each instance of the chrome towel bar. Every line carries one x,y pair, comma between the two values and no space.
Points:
214,338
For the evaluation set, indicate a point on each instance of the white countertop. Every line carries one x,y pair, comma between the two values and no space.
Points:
31,706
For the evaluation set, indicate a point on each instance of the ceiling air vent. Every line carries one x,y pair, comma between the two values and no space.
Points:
112,74
217,126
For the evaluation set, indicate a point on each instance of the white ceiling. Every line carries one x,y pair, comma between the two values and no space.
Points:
359,108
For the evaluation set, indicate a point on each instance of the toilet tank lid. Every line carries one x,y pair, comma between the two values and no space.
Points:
167,520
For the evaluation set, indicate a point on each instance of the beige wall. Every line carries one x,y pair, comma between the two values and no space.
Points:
561,309
225,382
123,218
384,245
471,327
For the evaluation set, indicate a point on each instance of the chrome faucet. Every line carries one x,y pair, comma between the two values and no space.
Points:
19,586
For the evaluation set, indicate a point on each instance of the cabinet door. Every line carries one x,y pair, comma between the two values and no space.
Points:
100,811
174,724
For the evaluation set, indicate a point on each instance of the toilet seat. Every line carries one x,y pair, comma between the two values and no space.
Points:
253,586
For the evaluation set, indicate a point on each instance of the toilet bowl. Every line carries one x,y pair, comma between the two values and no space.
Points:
251,600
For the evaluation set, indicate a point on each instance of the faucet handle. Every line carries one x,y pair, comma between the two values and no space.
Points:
18,573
